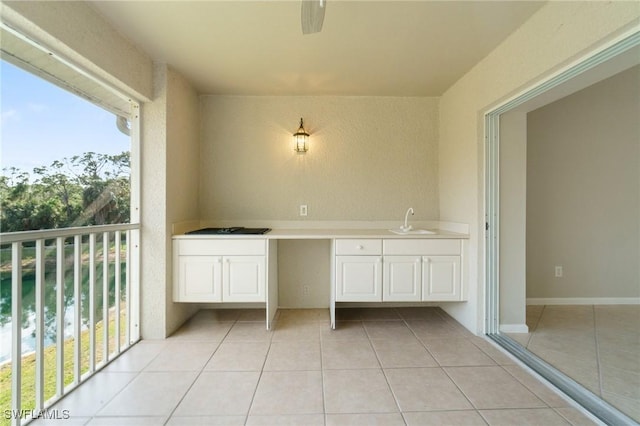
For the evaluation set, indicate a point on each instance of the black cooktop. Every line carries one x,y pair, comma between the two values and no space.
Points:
235,230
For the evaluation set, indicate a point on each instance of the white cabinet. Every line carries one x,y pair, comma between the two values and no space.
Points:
398,270
402,280
243,279
358,279
441,278
208,270
199,279
421,278
358,266
439,262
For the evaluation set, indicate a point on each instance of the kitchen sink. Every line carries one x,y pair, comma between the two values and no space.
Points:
411,231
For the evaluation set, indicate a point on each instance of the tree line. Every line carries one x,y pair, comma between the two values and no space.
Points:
82,190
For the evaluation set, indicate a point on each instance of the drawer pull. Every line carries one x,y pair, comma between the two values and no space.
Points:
360,247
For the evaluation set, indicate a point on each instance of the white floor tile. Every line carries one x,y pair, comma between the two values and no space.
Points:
425,389
150,394
357,391
94,394
217,393
379,419
225,368
288,392
239,356
183,356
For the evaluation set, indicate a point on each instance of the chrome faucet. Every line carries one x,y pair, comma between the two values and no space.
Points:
406,227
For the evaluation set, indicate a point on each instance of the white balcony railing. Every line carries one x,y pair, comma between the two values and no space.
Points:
96,321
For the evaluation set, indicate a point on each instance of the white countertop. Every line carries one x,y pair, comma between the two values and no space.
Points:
311,234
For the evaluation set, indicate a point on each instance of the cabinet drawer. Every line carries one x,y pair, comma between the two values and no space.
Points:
359,247
227,247
422,247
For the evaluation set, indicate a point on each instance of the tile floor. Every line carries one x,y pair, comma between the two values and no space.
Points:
597,346
404,366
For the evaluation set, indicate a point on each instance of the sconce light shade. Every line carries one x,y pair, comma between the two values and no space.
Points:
301,140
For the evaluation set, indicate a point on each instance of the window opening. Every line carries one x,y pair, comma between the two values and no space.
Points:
69,242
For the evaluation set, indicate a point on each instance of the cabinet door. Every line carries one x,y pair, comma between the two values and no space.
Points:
440,278
243,279
358,279
402,279
199,279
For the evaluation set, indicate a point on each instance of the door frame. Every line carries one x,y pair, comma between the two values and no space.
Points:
571,73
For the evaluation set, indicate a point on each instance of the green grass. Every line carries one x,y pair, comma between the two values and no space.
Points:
29,364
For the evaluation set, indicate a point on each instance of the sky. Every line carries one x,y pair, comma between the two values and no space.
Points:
41,123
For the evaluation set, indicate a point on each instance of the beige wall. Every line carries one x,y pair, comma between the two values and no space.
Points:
557,34
170,141
170,146
304,263
583,192
370,158
153,249
183,175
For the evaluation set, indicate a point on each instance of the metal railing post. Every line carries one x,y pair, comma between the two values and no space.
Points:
39,403
60,314
77,312
16,331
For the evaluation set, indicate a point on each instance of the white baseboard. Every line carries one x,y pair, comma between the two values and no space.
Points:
514,328
583,301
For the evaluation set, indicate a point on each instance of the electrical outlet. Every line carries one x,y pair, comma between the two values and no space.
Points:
303,209
306,290
559,272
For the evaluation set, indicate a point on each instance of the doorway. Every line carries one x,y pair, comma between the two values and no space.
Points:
510,235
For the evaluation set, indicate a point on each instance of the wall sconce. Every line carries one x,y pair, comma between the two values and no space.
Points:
301,140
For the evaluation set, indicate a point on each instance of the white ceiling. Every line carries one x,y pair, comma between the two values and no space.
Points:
366,48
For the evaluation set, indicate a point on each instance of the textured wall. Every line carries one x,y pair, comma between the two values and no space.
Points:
304,263
183,151
553,36
583,192
370,158
153,253
169,143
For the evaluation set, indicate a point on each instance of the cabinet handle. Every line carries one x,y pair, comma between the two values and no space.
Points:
359,247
